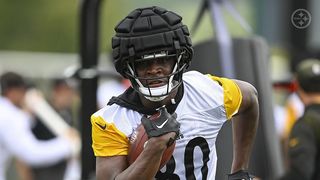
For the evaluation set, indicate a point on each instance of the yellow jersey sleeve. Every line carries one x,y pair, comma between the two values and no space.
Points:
232,95
107,140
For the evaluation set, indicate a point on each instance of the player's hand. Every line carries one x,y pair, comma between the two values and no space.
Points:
162,124
241,175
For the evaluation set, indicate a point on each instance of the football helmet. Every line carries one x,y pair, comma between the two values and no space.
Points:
148,34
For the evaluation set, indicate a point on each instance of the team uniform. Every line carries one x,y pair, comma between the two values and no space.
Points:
304,146
16,139
207,102
294,109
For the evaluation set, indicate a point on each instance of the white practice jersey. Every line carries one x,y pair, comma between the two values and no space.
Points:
207,102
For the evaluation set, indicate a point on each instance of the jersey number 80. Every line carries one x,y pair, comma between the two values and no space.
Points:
188,161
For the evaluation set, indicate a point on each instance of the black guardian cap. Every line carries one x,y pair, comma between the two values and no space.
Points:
151,32
146,30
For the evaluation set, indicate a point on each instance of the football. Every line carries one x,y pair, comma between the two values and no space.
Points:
137,143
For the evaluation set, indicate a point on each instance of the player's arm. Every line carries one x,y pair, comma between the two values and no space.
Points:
244,125
145,166
19,140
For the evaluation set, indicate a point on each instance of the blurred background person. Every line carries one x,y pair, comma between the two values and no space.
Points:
293,110
287,114
61,98
111,83
110,88
63,95
16,138
304,140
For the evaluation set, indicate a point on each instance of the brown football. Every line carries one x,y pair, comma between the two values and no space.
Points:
137,142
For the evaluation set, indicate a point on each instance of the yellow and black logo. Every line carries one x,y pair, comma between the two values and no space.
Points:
293,142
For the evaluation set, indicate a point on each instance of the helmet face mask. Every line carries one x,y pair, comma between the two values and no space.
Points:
156,87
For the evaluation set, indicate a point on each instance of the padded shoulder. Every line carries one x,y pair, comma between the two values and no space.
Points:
111,129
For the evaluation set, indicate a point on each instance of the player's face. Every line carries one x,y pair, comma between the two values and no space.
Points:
155,68
17,96
63,96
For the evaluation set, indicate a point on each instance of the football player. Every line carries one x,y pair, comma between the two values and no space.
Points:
152,48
